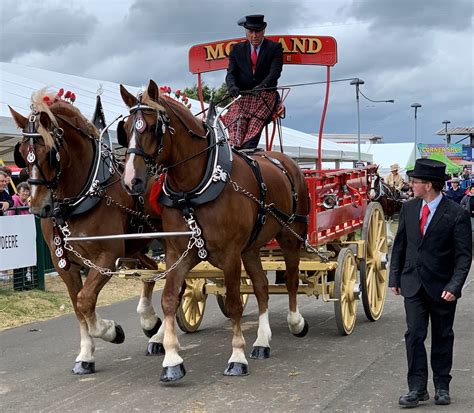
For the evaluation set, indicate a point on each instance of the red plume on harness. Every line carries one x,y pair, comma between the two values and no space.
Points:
155,193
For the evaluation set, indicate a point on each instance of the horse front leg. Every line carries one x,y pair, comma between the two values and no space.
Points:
173,366
85,362
254,269
237,364
107,330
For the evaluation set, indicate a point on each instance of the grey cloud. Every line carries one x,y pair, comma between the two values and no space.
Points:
29,27
192,22
414,15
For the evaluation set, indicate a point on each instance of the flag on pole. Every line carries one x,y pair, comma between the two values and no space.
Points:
98,119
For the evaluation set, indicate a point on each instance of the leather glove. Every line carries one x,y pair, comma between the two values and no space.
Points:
234,91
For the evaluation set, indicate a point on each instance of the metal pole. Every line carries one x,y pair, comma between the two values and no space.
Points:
445,122
132,236
358,123
357,82
416,106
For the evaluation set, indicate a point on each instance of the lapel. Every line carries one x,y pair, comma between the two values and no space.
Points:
263,49
248,61
414,221
436,217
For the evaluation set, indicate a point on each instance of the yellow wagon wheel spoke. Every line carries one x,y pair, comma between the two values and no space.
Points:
344,283
373,274
191,309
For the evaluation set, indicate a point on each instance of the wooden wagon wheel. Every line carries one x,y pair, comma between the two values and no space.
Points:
191,310
244,297
373,272
345,278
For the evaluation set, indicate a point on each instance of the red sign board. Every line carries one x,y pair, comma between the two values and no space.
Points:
297,50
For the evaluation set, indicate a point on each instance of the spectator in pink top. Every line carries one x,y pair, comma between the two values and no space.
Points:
21,199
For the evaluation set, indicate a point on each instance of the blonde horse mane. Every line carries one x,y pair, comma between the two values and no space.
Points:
59,107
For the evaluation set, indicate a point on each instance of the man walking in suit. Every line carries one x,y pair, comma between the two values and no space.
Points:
254,67
430,261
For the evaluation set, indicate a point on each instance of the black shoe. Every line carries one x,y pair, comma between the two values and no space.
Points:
413,397
442,397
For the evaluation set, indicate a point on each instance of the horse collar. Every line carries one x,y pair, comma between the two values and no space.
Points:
218,169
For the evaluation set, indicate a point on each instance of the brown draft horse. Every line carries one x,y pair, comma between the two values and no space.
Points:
182,147
58,149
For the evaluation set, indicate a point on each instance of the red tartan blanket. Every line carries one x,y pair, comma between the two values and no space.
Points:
248,116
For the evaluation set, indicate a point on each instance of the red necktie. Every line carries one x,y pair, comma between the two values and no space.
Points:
253,58
424,217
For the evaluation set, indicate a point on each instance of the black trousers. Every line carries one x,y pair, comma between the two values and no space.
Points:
420,309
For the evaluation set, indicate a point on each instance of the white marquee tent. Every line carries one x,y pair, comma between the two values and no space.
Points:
18,82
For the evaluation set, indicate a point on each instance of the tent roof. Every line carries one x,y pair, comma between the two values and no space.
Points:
18,82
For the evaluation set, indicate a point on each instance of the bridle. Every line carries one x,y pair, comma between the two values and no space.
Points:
32,135
139,125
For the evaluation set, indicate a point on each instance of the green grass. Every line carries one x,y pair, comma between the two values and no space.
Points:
21,307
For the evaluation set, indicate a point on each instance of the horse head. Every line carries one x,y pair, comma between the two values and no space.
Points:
152,134
376,188
48,147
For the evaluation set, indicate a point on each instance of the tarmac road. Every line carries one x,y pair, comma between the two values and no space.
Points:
322,372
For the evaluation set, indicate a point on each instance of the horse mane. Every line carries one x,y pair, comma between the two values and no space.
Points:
40,100
178,109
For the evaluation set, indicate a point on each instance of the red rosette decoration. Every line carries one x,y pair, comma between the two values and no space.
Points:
154,194
67,95
177,93
168,89
47,100
60,93
73,97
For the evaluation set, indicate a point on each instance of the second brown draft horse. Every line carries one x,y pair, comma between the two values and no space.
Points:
233,202
61,150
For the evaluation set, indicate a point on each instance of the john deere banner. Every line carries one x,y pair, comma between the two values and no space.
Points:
17,241
454,150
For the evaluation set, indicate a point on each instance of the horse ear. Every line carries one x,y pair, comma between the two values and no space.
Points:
44,120
19,119
153,90
127,97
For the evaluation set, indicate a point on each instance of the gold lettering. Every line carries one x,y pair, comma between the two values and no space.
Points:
214,53
314,45
298,44
281,40
228,47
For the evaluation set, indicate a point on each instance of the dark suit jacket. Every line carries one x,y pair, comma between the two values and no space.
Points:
439,261
267,71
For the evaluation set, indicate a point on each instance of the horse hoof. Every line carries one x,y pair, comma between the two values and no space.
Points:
236,369
172,373
154,330
303,332
83,367
119,335
259,352
155,349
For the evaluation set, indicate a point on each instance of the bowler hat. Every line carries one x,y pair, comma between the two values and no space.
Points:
429,170
253,22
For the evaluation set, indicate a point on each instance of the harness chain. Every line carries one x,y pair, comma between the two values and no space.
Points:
268,208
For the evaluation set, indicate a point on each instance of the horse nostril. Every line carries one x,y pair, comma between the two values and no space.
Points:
136,181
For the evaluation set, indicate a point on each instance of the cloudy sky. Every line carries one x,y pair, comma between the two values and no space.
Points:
407,50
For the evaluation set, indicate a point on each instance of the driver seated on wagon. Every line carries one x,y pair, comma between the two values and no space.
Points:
254,67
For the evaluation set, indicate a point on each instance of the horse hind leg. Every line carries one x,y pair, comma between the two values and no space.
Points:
254,269
291,252
150,321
